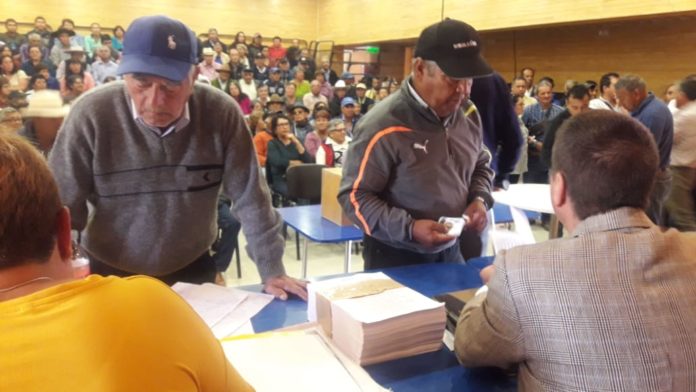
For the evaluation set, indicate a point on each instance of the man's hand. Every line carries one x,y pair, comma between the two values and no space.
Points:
476,211
487,274
430,233
280,286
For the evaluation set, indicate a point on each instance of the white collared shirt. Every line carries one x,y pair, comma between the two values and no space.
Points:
178,125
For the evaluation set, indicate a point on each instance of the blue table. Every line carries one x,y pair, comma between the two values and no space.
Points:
308,222
436,371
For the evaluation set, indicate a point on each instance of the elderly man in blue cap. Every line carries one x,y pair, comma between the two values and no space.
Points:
149,156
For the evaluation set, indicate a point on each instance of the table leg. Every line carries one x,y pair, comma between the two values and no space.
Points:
305,245
347,257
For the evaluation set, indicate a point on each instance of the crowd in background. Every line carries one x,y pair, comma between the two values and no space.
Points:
300,111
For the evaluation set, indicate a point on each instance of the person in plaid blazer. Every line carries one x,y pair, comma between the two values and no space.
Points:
612,306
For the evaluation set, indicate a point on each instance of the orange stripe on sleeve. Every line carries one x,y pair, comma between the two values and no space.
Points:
361,172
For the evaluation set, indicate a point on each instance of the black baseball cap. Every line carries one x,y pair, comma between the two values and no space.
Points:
456,48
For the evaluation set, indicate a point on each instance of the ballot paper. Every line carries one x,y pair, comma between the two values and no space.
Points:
225,310
373,318
303,360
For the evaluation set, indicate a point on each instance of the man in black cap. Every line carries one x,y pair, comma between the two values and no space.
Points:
419,156
151,154
275,86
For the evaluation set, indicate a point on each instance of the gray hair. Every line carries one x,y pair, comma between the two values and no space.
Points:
34,36
333,124
630,83
430,65
544,83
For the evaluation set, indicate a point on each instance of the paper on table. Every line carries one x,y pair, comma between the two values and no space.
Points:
371,308
223,309
300,361
314,287
236,319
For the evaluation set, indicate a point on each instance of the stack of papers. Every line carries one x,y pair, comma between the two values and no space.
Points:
225,310
373,319
295,361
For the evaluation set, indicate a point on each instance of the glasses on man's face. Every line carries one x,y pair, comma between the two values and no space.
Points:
283,124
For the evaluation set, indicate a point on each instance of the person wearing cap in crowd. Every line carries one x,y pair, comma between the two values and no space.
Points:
154,178
349,79
208,67
285,73
424,137
325,88
223,79
275,104
300,121
333,152
302,85
256,45
314,95
339,94
43,116
260,69
125,334
247,84
348,114
74,53
275,86
103,66
59,52
362,100
276,51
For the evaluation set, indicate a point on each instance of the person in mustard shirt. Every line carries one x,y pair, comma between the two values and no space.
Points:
93,334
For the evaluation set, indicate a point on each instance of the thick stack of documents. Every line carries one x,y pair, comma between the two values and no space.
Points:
373,319
302,360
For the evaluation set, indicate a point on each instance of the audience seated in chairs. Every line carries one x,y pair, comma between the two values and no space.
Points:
284,150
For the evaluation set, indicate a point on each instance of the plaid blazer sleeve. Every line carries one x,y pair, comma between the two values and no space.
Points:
489,332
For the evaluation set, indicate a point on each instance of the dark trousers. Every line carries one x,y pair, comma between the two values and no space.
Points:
201,270
378,255
229,231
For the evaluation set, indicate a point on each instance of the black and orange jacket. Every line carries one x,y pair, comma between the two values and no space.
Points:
404,164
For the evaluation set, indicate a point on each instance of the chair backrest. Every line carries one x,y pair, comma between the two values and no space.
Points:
304,182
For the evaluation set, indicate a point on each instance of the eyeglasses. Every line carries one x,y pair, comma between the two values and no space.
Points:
283,124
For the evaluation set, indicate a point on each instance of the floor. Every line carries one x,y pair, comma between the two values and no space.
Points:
323,259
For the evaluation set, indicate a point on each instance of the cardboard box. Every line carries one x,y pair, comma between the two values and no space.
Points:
330,208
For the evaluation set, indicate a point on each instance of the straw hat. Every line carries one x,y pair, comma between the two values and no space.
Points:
46,104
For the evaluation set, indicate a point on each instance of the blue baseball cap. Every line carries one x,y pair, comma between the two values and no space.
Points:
347,101
160,46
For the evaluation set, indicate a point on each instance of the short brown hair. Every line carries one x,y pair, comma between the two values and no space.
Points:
29,204
609,161
322,113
